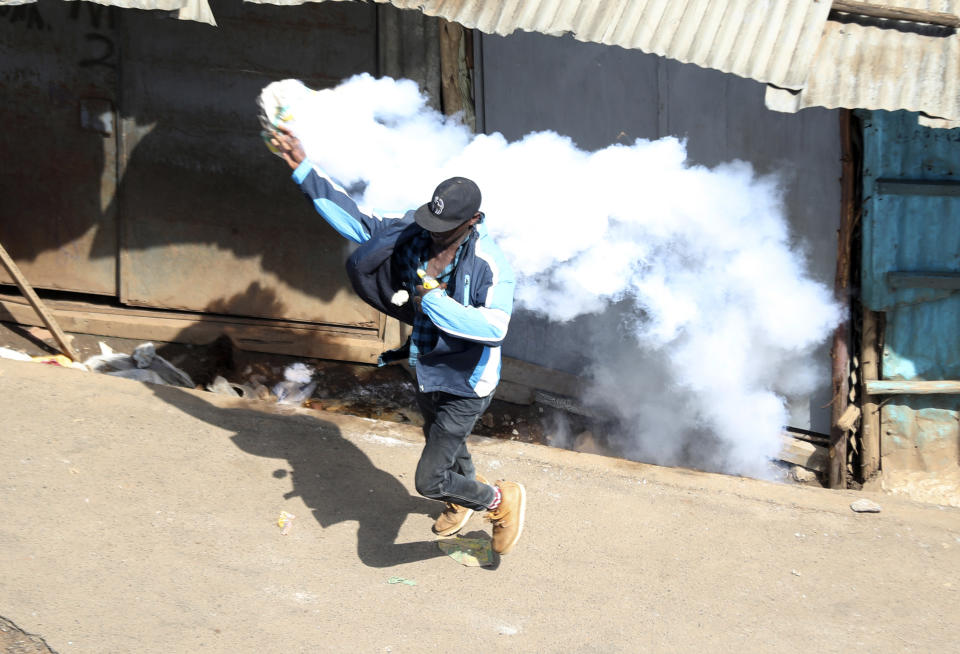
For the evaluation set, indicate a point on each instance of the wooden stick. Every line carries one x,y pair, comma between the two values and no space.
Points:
456,50
840,352
870,409
908,387
450,35
14,271
897,13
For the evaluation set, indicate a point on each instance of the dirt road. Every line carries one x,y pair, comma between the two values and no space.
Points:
139,518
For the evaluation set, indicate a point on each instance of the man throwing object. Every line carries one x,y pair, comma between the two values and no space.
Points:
435,268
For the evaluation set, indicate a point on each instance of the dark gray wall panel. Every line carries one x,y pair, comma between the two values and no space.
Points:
601,95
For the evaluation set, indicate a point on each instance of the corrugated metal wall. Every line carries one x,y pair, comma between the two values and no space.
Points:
210,219
99,99
911,223
600,95
59,69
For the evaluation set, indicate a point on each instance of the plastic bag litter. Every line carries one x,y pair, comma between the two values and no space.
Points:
52,359
7,353
297,386
222,387
285,522
145,355
251,391
58,360
144,358
475,552
139,374
108,359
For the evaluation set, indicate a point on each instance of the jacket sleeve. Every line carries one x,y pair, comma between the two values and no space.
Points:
335,205
487,323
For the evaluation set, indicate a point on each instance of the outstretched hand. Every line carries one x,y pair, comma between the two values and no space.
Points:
289,146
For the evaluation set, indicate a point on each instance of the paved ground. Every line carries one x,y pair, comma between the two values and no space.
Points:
138,518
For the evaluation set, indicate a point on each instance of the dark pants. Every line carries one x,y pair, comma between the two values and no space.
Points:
445,471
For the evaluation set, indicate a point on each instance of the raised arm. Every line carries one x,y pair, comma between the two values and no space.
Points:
328,198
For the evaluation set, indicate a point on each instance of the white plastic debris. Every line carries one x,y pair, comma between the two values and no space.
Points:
144,358
108,359
297,386
7,353
298,372
222,387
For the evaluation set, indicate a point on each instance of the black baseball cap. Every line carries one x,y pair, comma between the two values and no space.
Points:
455,201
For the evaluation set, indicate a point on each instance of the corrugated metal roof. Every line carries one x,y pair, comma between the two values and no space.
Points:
807,59
884,64
767,40
197,10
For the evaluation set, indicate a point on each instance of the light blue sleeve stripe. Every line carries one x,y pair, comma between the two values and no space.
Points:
473,323
503,296
500,295
302,171
481,366
341,221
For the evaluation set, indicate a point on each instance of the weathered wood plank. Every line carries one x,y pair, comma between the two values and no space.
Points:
538,377
275,337
45,316
840,350
939,188
870,411
905,387
938,280
520,378
804,453
897,13
514,393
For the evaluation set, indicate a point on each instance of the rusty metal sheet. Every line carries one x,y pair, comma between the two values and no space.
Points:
58,71
886,64
911,224
908,232
210,219
921,433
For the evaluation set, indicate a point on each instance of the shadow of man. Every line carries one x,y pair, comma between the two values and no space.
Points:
332,476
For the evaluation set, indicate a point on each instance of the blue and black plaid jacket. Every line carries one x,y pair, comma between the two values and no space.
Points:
412,257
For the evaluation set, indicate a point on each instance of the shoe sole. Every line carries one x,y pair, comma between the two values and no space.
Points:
457,527
522,514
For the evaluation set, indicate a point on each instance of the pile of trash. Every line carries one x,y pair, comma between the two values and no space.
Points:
145,365
296,387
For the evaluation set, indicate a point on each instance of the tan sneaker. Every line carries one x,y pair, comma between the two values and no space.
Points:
507,518
454,517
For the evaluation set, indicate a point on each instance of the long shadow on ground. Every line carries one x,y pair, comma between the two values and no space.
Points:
333,476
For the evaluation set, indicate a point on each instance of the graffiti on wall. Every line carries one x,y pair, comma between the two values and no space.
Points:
99,48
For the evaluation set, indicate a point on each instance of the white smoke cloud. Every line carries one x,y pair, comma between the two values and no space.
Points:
721,314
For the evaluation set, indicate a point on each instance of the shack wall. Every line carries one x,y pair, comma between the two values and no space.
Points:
911,224
600,95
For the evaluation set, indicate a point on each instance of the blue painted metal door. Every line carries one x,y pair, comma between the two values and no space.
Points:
910,269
